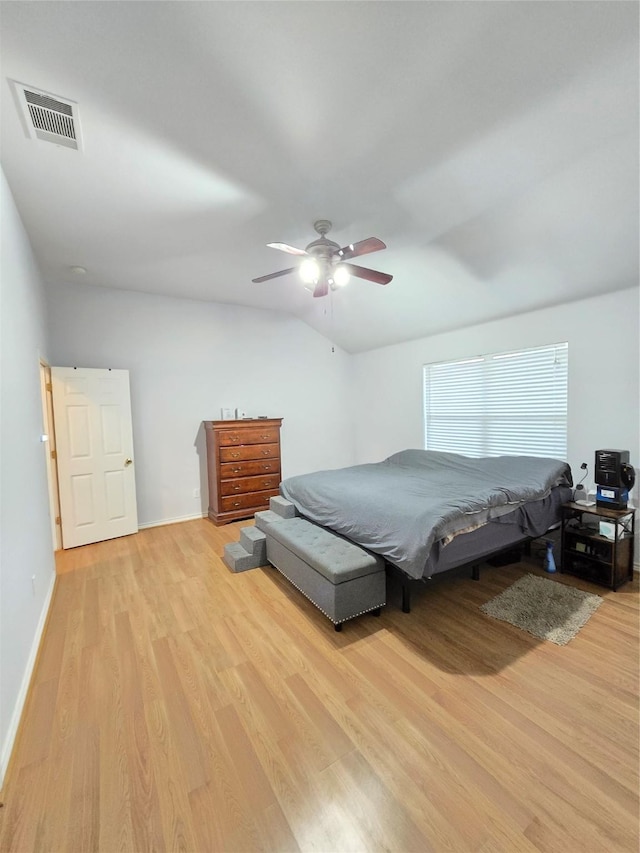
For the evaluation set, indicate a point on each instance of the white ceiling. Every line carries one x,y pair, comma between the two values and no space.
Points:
493,146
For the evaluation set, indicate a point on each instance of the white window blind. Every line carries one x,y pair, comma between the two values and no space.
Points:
511,403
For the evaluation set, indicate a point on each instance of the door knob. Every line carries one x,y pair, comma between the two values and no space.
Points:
128,462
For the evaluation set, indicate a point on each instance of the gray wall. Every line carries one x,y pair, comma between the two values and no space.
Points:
26,548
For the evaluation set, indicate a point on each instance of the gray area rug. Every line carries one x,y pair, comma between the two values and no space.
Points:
545,608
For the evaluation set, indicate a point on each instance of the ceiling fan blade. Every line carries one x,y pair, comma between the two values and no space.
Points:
273,275
363,247
322,288
284,247
370,275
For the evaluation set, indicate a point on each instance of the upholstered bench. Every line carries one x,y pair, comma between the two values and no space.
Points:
340,578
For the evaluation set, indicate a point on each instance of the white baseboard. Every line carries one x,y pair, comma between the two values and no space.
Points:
7,746
177,520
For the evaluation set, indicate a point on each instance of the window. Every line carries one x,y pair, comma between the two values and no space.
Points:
510,403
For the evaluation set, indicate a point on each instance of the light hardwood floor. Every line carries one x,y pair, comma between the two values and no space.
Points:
176,706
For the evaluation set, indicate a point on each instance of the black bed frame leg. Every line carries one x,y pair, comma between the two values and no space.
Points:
377,611
526,548
475,572
337,626
406,596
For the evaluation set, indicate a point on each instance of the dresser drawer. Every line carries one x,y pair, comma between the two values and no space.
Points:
249,451
250,468
254,500
249,484
248,435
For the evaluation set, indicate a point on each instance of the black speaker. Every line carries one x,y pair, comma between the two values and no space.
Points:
610,465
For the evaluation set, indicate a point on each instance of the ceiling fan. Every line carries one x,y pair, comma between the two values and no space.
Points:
324,265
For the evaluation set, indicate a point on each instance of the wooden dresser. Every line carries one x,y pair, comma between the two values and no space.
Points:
243,464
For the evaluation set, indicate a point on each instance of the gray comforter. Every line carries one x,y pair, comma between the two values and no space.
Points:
399,507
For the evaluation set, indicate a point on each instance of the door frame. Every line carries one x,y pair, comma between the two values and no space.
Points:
49,430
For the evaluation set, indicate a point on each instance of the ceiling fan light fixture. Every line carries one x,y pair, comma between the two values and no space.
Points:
309,271
322,269
341,276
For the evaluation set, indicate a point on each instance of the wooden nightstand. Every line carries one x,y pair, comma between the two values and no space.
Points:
596,558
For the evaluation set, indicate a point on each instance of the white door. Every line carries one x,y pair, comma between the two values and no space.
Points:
92,410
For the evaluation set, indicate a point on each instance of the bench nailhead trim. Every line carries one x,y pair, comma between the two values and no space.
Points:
368,610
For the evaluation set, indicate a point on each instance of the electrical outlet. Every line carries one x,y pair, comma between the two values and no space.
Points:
196,493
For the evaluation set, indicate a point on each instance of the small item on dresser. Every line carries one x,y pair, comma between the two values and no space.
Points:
241,414
226,414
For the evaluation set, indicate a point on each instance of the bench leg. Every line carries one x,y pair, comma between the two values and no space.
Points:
337,626
377,611
475,573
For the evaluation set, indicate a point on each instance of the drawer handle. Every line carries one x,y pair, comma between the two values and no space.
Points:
235,455
265,452
267,483
265,436
266,467
235,438
236,488
236,470
236,503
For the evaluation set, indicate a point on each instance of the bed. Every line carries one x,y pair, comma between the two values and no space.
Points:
426,512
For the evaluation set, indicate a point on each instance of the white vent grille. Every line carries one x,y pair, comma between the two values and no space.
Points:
47,117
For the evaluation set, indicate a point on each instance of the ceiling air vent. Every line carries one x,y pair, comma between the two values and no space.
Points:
47,117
